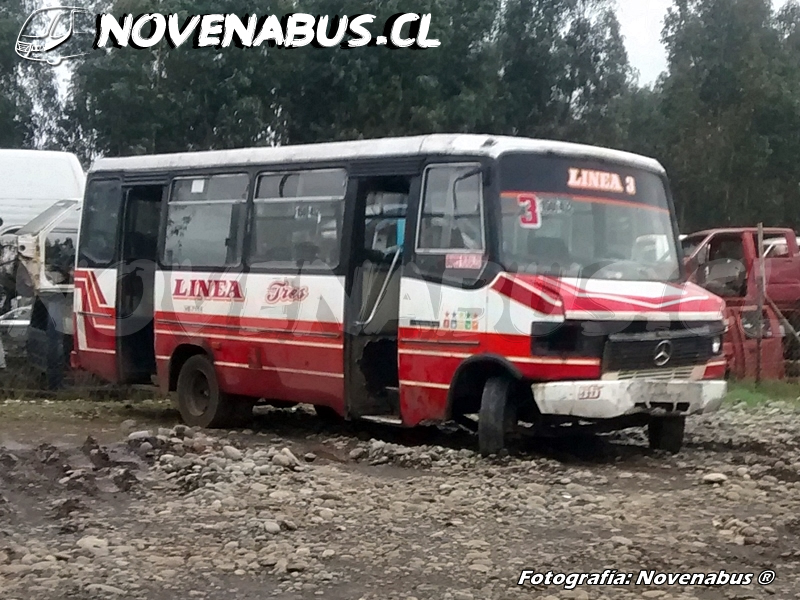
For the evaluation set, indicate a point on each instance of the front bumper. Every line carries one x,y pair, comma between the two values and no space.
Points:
611,399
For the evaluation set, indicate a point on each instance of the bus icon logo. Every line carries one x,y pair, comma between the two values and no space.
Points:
52,35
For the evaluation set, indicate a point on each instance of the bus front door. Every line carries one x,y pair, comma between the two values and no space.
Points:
95,295
374,296
136,283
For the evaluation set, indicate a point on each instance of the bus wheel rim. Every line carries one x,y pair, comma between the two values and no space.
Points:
199,395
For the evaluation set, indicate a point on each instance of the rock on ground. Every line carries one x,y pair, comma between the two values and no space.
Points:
226,515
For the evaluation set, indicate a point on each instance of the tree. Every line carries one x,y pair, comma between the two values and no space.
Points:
564,70
376,91
489,75
730,101
165,100
28,91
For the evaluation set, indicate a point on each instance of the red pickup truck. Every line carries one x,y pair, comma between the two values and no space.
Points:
725,261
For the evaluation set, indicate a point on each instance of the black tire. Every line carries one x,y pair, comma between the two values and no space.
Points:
200,401
666,433
497,420
327,414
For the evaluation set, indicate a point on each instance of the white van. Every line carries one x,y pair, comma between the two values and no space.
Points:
34,180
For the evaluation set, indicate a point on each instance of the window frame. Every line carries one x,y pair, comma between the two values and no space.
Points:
482,212
245,232
344,200
409,211
56,226
91,263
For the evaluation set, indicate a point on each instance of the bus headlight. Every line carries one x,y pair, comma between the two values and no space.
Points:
716,345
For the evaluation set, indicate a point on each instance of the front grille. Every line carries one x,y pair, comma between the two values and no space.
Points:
664,374
632,354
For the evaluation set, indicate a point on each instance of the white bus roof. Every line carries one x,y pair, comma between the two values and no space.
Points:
33,180
436,144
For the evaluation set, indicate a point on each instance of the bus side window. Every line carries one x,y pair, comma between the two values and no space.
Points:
206,221
450,236
298,219
101,214
452,210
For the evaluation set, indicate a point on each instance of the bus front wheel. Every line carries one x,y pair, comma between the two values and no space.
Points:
200,401
497,420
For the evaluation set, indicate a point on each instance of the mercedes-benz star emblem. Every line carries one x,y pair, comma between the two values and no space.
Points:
663,353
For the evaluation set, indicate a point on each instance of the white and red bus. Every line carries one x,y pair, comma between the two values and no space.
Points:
411,280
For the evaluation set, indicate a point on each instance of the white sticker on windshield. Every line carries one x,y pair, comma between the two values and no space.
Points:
198,186
555,206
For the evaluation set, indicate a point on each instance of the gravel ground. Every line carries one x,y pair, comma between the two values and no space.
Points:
294,508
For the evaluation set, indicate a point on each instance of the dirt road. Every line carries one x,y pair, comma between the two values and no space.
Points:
108,501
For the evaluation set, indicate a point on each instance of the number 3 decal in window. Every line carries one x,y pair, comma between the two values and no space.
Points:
531,216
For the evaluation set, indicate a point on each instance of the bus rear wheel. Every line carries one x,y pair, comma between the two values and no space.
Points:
498,416
200,401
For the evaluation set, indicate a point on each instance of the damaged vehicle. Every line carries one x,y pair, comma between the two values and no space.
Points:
39,267
14,331
726,262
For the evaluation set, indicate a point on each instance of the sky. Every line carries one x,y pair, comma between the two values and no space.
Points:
642,22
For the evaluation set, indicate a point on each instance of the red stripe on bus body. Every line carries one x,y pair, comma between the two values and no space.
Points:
98,290
444,337
238,331
525,294
287,386
503,344
256,354
85,286
179,319
94,289
440,370
96,336
513,344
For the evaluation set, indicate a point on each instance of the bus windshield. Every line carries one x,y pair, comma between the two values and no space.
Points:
577,218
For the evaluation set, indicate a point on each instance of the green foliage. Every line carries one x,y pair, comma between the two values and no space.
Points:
492,73
731,104
565,70
751,394
370,92
28,99
166,100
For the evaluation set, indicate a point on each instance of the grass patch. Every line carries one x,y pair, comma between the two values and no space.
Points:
751,394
